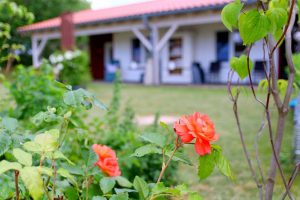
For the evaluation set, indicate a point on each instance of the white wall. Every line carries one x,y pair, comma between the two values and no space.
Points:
199,45
187,46
122,53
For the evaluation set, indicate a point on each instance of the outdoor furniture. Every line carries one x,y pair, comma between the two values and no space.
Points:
198,73
214,72
258,71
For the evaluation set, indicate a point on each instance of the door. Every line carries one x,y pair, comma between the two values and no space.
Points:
97,55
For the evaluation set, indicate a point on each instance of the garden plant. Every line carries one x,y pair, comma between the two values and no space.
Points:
272,22
52,148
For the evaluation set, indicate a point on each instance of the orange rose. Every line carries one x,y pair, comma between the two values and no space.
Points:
199,127
108,161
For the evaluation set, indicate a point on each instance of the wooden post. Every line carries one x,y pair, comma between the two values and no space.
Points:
155,57
35,53
67,31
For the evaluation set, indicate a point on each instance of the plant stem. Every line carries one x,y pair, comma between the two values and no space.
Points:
54,179
17,184
164,166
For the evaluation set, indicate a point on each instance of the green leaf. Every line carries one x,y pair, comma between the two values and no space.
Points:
253,26
45,170
154,138
206,165
92,158
81,97
278,18
123,190
46,142
279,4
181,157
223,164
141,186
195,196
33,181
98,198
230,14
65,173
60,155
10,124
147,149
164,126
107,184
6,166
240,66
122,181
122,196
160,189
22,157
5,142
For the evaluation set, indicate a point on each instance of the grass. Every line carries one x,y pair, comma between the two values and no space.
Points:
180,100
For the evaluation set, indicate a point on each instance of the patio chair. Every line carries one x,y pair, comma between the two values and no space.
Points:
214,72
198,73
258,71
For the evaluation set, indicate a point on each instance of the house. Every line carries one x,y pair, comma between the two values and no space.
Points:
155,42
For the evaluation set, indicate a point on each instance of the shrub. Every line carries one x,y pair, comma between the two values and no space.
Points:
34,90
72,67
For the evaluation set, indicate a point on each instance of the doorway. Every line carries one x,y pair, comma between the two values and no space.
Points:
99,54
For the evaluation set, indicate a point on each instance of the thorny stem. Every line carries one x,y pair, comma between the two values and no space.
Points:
165,165
17,184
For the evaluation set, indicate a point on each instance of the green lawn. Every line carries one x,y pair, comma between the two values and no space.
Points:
214,101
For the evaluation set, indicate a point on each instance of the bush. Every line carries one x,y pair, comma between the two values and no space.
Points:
72,67
34,90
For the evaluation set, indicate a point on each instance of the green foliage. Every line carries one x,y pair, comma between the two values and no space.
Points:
240,66
33,181
230,14
23,157
71,62
50,8
34,90
107,184
208,162
278,18
6,166
5,141
253,26
11,17
141,187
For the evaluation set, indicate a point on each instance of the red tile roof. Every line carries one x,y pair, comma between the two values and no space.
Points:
132,10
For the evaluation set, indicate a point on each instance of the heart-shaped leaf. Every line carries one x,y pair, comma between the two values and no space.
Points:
240,66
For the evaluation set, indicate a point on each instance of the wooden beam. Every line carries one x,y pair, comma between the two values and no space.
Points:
166,37
155,57
42,45
38,46
142,38
35,53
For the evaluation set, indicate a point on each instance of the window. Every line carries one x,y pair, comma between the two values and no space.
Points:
222,46
239,48
175,56
136,51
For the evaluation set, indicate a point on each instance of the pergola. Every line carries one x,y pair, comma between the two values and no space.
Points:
143,19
